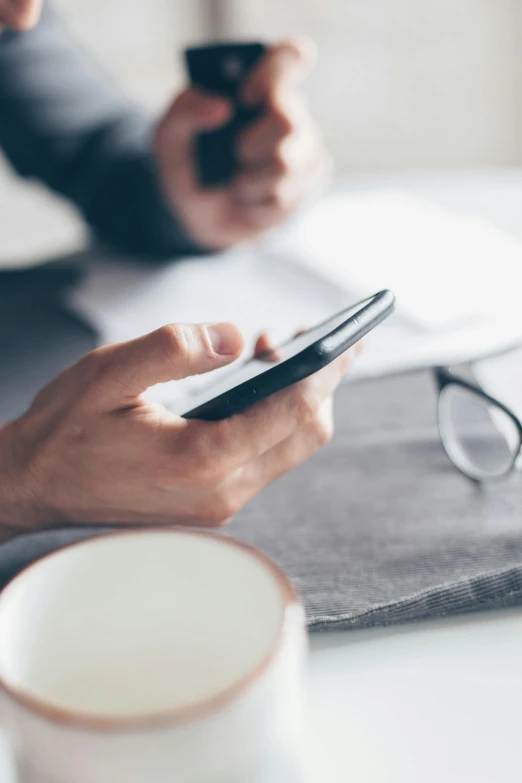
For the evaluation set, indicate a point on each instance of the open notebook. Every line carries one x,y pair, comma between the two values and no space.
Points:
457,281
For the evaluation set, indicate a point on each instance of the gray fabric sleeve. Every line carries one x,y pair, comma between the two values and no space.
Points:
63,122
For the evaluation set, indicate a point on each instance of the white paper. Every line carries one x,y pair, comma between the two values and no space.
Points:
446,269
457,283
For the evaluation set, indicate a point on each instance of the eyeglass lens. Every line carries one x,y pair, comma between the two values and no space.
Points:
480,438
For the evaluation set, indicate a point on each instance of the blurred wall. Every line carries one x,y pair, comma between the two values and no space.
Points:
139,41
407,83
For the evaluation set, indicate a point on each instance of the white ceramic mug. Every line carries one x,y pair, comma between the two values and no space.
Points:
153,657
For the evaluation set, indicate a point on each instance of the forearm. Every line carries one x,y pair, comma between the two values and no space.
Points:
26,504
121,197
9,488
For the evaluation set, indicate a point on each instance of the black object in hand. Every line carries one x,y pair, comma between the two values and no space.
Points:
221,70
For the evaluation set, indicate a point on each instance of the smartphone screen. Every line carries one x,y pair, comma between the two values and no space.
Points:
247,371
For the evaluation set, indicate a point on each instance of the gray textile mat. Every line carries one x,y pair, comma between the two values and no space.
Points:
378,528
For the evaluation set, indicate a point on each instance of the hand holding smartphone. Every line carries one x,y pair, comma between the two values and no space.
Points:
290,363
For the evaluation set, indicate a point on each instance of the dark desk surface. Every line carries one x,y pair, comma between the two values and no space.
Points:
38,338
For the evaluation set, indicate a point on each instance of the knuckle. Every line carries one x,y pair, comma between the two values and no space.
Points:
89,373
324,432
206,464
307,403
173,342
278,196
218,437
208,471
281,162
284,123
222,508
93,364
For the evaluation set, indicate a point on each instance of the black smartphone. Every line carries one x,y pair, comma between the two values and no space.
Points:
221,69
300,357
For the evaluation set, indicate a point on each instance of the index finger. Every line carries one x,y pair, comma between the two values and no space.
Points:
265,350
193,111
285,63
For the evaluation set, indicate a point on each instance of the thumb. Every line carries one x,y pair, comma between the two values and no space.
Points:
173,352
192,112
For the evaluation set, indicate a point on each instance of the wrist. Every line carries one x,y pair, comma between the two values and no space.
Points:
167,233
17,514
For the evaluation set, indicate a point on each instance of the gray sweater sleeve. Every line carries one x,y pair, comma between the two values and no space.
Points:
63,122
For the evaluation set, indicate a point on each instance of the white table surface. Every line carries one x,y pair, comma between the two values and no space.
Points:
430,702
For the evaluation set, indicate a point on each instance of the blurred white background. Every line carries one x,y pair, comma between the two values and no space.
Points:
401,84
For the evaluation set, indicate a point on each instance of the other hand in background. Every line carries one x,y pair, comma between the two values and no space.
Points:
283,160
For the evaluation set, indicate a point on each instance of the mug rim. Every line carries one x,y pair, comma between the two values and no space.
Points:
164,718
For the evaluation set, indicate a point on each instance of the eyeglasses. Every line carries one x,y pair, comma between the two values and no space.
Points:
481,435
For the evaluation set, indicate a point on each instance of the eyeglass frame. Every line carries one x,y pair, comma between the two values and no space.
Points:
444,378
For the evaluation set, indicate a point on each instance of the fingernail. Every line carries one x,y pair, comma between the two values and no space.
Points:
225,338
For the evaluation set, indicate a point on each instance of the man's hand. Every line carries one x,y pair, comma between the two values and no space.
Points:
283,160
93,449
